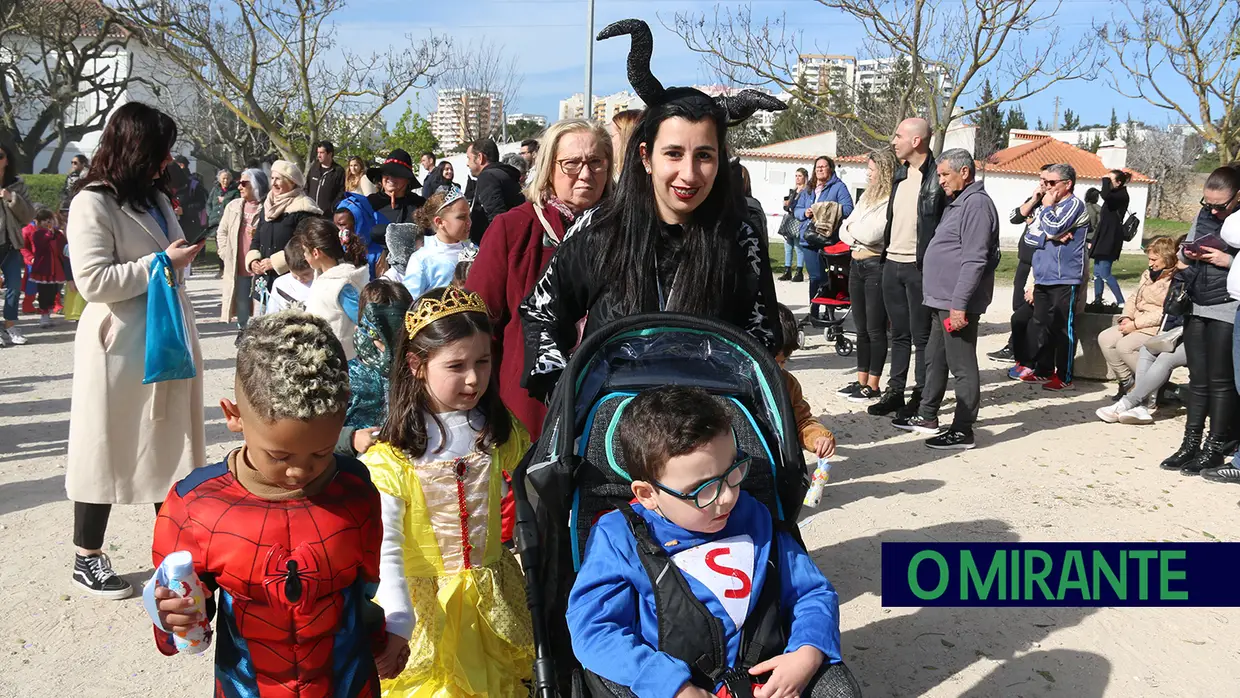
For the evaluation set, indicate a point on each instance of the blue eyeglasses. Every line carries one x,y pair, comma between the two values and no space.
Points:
706,493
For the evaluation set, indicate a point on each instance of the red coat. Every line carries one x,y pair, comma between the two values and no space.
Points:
511,259
44,254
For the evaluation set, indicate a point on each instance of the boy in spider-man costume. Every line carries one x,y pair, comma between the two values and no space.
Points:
283,531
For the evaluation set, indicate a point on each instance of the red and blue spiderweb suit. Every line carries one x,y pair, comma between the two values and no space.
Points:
293,581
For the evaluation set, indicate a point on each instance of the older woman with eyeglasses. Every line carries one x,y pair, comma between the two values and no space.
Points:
235,233
572,175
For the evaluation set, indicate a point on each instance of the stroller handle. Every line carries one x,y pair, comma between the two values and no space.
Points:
530,549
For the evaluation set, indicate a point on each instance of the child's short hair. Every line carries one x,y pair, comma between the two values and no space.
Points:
44,214
291,366
663,423
461,273
788,326
295,256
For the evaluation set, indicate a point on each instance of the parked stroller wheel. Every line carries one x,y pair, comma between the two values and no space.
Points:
844,347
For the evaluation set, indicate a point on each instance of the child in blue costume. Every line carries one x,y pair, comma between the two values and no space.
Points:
681,453
445,217
354,214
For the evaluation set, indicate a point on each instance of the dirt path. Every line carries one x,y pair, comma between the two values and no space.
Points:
1045,470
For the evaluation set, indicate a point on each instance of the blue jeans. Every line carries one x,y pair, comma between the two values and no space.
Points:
793,258
813,270
11,266
1102,273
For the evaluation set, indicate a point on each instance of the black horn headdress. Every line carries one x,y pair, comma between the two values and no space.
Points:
736,107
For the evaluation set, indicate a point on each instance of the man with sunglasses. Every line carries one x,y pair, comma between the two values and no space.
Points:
1058,273
634,629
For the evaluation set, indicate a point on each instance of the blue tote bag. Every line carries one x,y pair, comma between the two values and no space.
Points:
169,356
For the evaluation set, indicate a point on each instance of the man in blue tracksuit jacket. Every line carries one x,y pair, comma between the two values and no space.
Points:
1058,272
611,610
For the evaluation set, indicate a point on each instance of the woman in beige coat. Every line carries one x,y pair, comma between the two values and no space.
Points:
238,224
1143,315
128,442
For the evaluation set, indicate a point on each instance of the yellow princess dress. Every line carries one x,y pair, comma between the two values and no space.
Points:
461,597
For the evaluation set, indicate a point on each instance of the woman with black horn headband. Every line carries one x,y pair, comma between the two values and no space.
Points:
671,237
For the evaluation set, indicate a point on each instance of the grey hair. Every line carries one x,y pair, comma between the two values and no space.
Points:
258,179
290,365
515,160
959,159
1065,171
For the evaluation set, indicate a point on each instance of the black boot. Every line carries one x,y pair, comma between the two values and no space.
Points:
1210,456
911,407
798,277
1188,449
787,274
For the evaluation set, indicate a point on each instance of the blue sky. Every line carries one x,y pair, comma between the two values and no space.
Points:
547,38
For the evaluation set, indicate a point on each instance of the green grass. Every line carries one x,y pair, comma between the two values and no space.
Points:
1157,227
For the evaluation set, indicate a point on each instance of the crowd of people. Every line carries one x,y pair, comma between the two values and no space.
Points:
398,341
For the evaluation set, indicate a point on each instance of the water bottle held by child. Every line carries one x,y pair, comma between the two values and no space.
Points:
176,573
813,496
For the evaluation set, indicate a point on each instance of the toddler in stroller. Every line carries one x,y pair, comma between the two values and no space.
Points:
833,299
690,637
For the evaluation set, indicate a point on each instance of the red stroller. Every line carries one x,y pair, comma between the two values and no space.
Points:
832,297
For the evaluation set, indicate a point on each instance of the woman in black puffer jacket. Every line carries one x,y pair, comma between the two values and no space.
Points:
1208,329
1109,238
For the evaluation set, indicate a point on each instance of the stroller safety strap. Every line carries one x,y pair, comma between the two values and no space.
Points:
689,631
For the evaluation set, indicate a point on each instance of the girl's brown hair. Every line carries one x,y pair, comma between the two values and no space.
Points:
409,400
425,216
318,234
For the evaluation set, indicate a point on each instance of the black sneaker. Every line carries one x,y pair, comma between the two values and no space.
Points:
952,440
94,574
1005,354
849,390
1227,473
919,424
891,402
912,406
864,394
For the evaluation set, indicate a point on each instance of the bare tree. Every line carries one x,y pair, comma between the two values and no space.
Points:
1167,156
490,81
1164,46
276,66
63,66
948,48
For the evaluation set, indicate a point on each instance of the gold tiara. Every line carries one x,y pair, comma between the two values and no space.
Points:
454,301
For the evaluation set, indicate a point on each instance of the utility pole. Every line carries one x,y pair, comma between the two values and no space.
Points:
1055,120
588,97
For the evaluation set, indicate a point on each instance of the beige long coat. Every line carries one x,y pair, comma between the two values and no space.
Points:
128,442
226,239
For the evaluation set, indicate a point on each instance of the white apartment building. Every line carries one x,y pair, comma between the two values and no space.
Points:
539,119
604,108
825,72
462,115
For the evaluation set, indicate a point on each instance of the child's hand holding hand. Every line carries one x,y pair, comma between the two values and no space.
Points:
690,691
173,610
391,661
790,673
824,446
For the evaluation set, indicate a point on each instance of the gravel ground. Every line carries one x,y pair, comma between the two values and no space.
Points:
1045,470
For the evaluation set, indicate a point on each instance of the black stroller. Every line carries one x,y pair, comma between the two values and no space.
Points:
833,299
571,476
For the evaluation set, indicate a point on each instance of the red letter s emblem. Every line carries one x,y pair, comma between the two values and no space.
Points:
746,584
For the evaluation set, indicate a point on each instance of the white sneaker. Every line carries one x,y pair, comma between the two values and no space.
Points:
1137,415
1109,414
46,320
16,336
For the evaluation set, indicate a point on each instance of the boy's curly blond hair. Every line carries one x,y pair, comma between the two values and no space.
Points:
291,366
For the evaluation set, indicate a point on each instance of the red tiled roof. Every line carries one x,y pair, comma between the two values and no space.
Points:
759,153
1029,158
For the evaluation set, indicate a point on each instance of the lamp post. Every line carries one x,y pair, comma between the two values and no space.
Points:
588,109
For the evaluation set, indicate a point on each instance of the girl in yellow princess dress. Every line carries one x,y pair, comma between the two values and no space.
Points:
453,595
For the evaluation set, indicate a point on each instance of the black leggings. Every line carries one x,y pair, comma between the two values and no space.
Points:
1211,381
47,296
90,522
865,291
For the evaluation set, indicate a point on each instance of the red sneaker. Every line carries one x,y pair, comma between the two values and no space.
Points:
1032,377
1056,384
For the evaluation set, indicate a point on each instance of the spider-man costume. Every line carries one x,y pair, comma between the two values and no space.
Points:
292,581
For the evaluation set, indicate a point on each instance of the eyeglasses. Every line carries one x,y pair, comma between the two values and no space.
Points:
1053,182
572,168
1217,208
243,183
706,493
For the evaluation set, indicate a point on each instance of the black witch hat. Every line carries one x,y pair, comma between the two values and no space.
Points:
736,107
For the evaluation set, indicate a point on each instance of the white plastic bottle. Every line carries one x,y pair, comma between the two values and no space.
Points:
176,573
813,496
